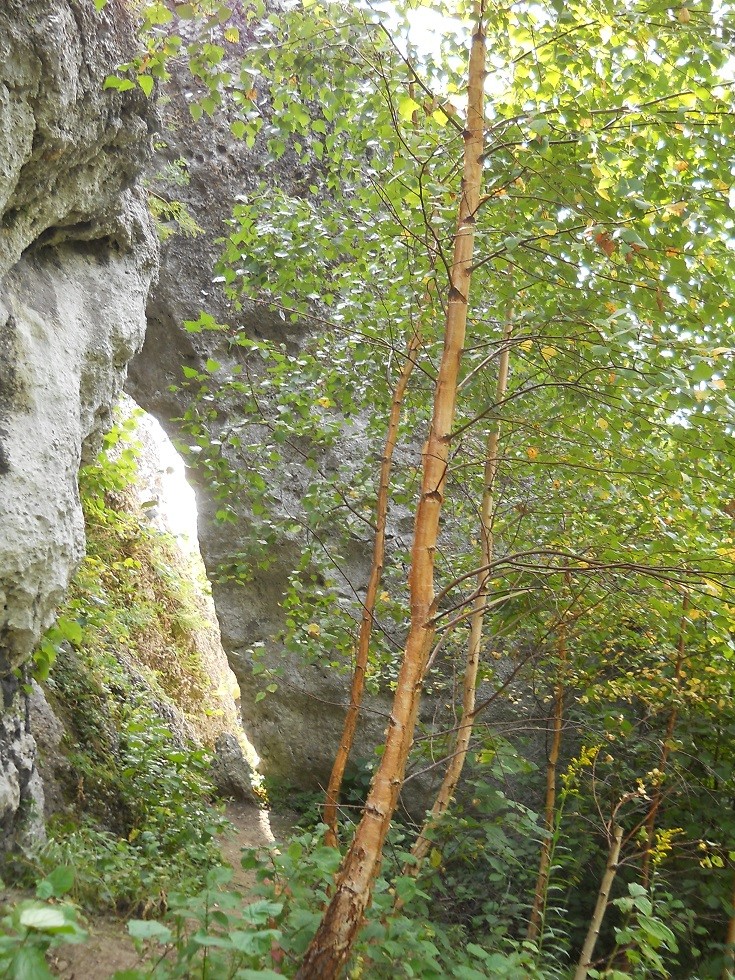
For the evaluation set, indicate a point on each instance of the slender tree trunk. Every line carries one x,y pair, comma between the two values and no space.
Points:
650,823
330,949
487,516
603,897
368,609
542,881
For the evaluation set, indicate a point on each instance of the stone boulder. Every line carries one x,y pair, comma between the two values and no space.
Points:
231,772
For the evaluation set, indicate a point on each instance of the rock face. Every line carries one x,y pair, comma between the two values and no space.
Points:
296,729
77,255
21,788
231,771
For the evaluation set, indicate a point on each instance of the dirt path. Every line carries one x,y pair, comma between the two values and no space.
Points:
109,947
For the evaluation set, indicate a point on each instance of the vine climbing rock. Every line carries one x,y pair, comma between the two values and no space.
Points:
77,256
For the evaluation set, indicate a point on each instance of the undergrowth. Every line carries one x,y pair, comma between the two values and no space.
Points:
121,670
215,934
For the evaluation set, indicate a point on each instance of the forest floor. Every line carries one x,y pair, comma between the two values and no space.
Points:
109,948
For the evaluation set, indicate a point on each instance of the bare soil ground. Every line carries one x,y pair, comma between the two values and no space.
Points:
109,948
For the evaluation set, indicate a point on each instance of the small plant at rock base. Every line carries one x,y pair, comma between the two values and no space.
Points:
34,926
167,838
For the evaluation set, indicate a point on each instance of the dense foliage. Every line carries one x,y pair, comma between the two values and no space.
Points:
606,241
604,266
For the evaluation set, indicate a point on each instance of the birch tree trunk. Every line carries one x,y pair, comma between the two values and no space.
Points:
330,949
603,897
487,516
542,881
368,609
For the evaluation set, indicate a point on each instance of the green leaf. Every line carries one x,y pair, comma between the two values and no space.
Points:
259,913
58,883
29,963
119,84
145,929
147,83
43,919
540,126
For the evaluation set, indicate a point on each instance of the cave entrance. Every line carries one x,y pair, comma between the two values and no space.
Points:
169,504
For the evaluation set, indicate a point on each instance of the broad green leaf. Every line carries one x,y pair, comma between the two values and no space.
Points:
147,83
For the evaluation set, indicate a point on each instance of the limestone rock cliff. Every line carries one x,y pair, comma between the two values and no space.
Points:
77,255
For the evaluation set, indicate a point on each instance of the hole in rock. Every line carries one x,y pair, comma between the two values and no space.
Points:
169,505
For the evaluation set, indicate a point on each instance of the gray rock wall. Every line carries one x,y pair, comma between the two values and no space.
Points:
295,730
77,255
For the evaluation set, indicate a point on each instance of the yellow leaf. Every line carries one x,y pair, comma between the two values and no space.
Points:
384,596
406,108
549,352
313,629
531,453
435,858
678,208
324,402
526,344
719,384
602,424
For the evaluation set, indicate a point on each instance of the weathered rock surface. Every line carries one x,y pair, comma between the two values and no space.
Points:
51,762
76,259
231,771
70,148
21,788
296,729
